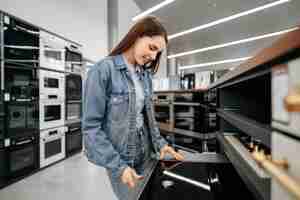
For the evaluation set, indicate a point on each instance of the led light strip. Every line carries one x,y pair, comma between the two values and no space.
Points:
213,63
147,12
226,19
231,43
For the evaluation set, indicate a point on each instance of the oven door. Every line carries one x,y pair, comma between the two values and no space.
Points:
3,164
52,52
20,83
73,59
52,85
27,55
22,119
52,114
73,112
23,157
73,140
52,146
73,87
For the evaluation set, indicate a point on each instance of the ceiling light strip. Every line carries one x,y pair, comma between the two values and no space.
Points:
232,43
150,10
226,19
214,63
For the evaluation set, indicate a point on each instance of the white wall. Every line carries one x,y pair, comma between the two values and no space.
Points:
83,21
127,10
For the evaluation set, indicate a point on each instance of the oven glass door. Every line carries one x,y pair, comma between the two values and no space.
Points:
22,55
52,113
51,82
22,156
74,87
53,147
73,111
74,140
73,56
21,83
22,119
3,164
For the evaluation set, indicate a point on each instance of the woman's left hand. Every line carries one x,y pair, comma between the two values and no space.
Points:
167,149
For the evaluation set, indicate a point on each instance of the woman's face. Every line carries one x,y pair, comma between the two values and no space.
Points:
146,48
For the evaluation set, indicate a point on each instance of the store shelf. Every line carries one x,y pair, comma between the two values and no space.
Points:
251,127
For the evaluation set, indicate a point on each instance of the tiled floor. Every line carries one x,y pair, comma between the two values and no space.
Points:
72,179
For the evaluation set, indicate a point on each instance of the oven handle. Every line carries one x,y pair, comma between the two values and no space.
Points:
24,142
52,138
74,129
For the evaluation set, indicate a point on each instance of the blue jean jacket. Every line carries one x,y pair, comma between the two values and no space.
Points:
109,115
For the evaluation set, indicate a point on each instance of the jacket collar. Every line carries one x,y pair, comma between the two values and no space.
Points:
121,64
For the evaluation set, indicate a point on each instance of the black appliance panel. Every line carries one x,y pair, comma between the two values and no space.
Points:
73,87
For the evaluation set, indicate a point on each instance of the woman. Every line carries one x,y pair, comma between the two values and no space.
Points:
120,132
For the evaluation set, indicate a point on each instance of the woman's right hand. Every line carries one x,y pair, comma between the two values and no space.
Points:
129,177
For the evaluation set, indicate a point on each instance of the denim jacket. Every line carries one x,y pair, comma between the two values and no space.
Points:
109,115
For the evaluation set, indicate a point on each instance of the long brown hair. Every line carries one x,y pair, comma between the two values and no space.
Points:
148,26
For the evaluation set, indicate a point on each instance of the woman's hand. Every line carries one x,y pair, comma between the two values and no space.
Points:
129,177
167,149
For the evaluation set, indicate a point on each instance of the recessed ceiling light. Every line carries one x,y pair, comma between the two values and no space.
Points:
231,43
150,10
226,19
214,63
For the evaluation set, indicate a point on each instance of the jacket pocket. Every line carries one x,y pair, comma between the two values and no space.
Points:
119,107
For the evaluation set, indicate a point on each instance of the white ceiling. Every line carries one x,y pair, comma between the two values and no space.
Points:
185,14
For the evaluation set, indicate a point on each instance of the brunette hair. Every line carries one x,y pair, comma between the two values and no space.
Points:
148,26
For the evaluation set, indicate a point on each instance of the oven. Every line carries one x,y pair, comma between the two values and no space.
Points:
73,87
3,163
73,139
52,51
52,146
23,156
20,83
73,111
22,119
28,55
52,85
52,114
73,57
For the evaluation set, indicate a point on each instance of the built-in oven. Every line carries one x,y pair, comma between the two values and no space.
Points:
73,111
52,85
23,156
73,87
52,146
52,114
73,139
21,41
22,119
52,51
18,33
73,57
20,83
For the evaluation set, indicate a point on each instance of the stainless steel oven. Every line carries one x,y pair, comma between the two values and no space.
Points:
73,87
73,111
52,85
21,83
22,119
52,114
73,139
22,156
52,51
73,58
52,146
